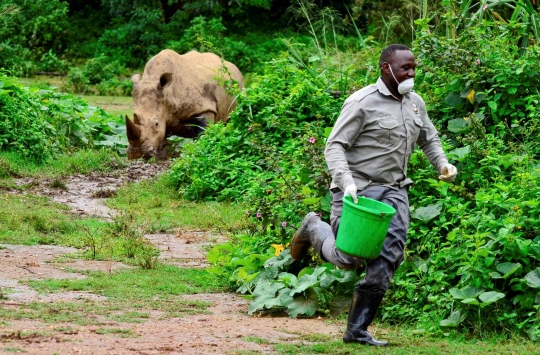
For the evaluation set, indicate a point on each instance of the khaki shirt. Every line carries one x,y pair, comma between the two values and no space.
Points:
374,137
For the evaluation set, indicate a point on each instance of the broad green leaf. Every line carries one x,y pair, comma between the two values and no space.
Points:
488,298
503,232
303,304
283,259
466,292
325,202
454,99
311,201
523,245
453,320
507,268
304,283
288,279
306,191
268,273
533,278
492,105
336,275
427,213
264,296
327,131
303,176
284,297
457,125
495,275
460,153
472,301
305,271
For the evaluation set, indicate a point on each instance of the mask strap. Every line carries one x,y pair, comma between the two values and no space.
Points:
391,71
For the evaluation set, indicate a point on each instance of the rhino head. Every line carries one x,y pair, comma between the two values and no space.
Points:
146,132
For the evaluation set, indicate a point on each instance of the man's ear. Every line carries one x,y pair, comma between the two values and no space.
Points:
385,68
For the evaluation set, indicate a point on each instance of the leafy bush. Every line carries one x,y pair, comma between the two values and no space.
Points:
32,28
248,52
101,76
484,72
40,123
16,59
50,62
135,41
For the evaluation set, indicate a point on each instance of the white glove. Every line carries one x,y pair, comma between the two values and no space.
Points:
351,190
448,173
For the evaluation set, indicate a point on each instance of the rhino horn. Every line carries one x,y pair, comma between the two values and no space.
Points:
133,131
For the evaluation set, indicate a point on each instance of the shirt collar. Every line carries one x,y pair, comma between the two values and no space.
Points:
383,89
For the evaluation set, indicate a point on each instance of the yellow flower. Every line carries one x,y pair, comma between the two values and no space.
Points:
279,248
471,96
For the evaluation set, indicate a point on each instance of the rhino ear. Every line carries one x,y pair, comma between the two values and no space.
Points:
165,80
135,79
133,131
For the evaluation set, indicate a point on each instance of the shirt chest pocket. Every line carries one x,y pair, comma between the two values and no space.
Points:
388,132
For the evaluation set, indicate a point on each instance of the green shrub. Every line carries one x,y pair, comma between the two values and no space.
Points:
101,76
37,26
484,72
50,62
249,52
40,123
132,43
16,59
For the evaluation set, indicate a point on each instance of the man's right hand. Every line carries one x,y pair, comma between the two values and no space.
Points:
351,190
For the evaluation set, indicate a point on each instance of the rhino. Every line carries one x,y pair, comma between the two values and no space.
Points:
178,95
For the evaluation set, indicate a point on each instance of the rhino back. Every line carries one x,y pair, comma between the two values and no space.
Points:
193,89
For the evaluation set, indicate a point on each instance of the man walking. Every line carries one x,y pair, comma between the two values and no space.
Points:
367,154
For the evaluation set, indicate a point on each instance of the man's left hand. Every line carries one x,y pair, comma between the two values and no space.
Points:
448,173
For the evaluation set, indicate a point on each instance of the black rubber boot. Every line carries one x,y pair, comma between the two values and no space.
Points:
312,232
364,305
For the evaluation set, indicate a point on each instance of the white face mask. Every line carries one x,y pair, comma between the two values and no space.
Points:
405,86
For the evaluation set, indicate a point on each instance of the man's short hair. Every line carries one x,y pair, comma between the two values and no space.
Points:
389,51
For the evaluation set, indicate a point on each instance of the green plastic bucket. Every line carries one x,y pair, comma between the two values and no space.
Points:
363,227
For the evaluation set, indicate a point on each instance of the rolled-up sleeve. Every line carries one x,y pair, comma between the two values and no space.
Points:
345,132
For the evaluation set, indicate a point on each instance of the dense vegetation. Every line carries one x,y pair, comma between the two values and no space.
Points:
472,257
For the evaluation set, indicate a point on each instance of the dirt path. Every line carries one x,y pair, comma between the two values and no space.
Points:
224,328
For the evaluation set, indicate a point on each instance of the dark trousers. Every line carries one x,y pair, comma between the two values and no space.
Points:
380,271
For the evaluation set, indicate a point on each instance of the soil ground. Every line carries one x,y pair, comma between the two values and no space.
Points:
224,328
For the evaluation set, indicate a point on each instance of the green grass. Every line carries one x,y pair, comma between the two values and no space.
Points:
115,105
101,312
44,81
138,284
120,332
31,220
14,350
155,204
80,162
258,340
131,294
404,342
